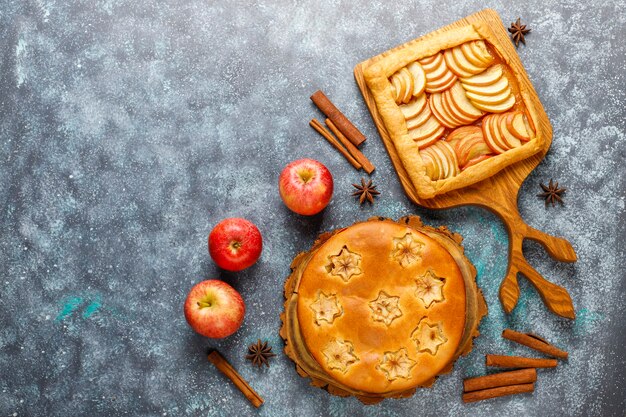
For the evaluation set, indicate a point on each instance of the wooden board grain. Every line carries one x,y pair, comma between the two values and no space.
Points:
498,193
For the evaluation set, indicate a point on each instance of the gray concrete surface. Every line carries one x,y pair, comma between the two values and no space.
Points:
129,128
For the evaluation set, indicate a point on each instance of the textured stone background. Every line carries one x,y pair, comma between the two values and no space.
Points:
129,128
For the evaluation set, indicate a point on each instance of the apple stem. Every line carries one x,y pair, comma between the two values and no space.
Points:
203,304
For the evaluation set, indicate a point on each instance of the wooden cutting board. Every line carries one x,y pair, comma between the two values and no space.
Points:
498,193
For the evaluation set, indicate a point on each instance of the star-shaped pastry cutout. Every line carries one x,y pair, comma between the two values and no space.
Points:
346,264
340,355
428,337
407,249
429,288
396,365
385,308
326,308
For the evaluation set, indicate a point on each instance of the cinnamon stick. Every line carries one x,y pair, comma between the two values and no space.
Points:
315,124
501,379
485,394
339,119
354,151
534,342
224,367
503,361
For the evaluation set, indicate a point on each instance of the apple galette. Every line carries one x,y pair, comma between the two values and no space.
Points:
380,308
453,107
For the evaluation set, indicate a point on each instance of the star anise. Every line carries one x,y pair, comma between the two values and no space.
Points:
259,353
518,30
365,191
552,193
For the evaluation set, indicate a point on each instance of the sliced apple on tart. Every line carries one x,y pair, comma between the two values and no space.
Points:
421,118
402,86
517,124
440,161
489,91
469,145
413,107
505,131
427,133
490,76
466,62
437,107
419,78
459,105
438,75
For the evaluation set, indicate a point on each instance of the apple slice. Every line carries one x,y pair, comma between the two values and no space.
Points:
461,132
420,119
426,130
413,107
419,78
475,161
399,87
407,79
394,92
448,55
464,146
465,64
436,169
462,104
450,157
441,85
489,100
432,62
446,167
432,168
436,73
495,132
433,138
510,139
450,113
428,59
529,126
481,52
453,111
489,90
489,139
517,126
497,108
488,77
436,107
467,50
471,146
477,148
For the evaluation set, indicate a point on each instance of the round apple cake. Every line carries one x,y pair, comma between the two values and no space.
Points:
379,308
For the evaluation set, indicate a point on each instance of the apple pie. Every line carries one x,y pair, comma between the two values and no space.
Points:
380,308
454,108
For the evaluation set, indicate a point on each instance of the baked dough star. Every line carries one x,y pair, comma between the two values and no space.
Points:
385,308
407,249
326,308
346,264
340,355
429,288
396,365
428,337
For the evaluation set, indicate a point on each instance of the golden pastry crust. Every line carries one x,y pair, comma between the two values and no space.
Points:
377,75
379,308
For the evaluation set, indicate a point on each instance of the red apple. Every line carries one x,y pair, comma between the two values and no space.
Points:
214,309
306,186
235,244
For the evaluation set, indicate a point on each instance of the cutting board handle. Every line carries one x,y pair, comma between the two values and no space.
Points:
555,297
